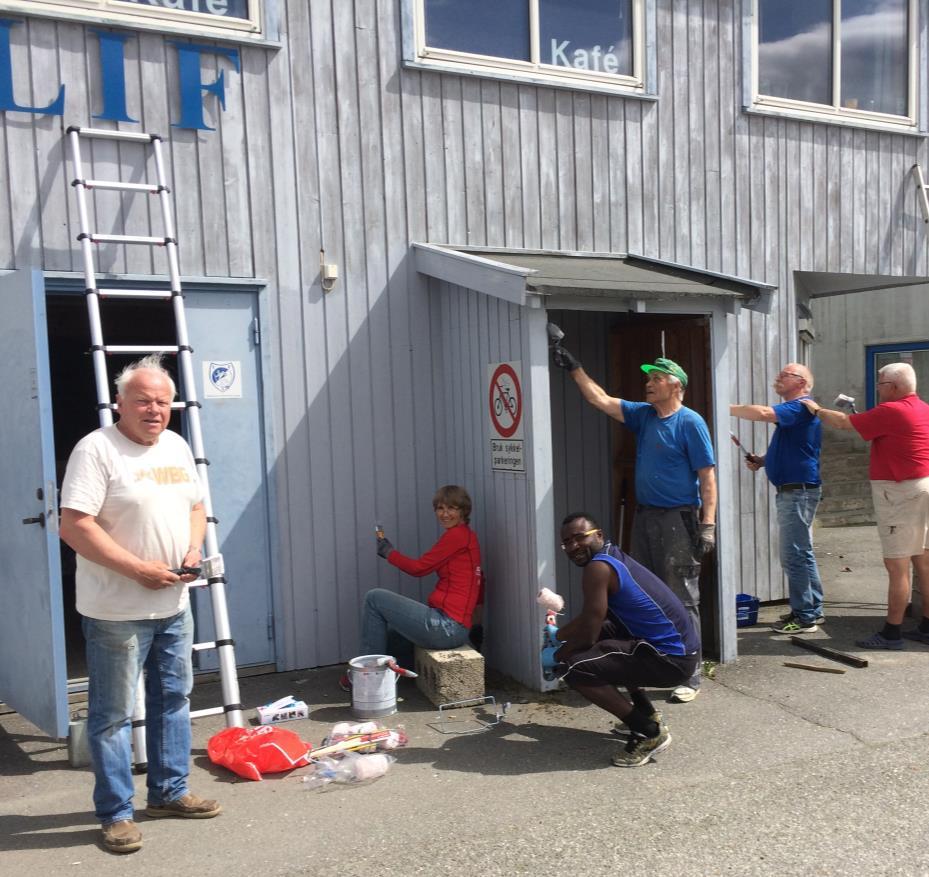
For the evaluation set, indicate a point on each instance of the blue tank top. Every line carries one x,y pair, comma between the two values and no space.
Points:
646,607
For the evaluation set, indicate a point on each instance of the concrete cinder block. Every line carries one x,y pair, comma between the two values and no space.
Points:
451,675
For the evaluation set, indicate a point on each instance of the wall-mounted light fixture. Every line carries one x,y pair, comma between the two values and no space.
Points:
328,272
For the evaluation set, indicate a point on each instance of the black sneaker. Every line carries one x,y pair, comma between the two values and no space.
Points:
789,616
639,750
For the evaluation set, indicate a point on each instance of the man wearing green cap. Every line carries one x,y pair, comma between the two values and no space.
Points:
675,480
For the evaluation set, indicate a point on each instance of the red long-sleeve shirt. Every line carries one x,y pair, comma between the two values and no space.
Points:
456,559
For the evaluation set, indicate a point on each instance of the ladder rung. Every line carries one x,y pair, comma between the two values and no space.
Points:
140,348
200,647
211,711
115,186
103,134
135,293
126,239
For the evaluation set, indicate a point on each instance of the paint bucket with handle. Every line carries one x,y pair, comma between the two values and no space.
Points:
374,685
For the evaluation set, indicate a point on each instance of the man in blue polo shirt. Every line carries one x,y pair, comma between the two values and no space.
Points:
631,632
675,481
792,466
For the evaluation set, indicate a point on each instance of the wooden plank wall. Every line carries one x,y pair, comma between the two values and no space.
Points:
329,144
475,330
581,441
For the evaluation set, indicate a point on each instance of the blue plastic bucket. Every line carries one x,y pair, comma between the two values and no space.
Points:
746,610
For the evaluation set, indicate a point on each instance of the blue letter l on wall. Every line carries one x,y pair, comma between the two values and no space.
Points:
7,101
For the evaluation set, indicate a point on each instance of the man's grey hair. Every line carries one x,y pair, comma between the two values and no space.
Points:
153,363
902,374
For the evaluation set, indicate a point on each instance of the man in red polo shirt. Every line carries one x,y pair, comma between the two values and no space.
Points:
898,429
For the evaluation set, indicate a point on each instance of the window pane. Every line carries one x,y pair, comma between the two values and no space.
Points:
874,55
483,27
795,50
587,34
919,359
225,8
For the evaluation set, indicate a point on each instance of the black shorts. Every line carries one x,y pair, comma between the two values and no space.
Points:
630,663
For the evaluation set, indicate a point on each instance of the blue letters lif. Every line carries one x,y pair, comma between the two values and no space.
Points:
113,77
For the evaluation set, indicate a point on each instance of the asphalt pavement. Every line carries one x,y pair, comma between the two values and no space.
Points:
772,770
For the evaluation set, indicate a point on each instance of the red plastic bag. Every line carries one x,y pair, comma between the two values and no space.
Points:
250,752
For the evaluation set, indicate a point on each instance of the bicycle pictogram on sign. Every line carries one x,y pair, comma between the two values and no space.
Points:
506,401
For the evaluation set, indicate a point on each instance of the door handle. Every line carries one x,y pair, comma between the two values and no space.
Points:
40,520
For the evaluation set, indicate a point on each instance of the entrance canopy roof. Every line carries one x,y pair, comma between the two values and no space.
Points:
528,277
817,284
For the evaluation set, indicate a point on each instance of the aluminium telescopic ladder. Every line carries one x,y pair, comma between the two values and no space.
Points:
188,405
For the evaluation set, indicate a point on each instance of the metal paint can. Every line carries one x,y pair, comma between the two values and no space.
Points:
374,686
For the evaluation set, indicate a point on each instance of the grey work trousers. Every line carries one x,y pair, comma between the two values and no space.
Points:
664,542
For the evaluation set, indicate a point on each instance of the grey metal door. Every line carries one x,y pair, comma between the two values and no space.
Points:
33,669
222,333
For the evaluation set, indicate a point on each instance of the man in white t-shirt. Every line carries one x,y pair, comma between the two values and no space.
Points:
132,510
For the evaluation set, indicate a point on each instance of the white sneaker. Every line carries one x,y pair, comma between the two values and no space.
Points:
684,694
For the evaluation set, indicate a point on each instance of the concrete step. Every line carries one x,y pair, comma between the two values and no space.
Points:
854,460
835,438
837,489
846,503
842,519
843,474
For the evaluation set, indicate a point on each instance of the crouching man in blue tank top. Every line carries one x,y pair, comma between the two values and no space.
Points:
632,631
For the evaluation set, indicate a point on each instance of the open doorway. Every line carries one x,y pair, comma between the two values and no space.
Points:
594,456
74,401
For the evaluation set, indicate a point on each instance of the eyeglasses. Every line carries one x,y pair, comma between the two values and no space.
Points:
790,375
567,543
879,383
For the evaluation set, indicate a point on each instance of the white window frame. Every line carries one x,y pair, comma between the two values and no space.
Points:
144,17
417,53
836,112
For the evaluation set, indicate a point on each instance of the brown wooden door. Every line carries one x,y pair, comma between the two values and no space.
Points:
635,340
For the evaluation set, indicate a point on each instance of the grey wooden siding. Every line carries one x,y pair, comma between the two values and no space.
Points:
329,144
581,442
474,330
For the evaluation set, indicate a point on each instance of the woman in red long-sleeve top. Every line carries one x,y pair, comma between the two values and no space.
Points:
456,558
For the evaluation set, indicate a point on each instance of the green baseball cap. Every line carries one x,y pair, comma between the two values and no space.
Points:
669,367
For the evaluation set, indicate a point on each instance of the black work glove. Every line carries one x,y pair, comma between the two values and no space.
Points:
564,358
384,547
706,540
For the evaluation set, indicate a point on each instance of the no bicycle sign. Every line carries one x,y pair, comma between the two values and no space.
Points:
505,406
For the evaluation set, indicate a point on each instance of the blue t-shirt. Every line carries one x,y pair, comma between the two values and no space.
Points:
668,453
645,607
793,455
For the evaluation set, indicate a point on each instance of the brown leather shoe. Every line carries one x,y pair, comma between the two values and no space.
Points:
187,807
122,837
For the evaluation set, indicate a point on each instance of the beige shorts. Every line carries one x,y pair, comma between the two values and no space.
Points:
902,511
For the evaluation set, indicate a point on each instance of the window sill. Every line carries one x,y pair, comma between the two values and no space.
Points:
270,38
525,78
831,119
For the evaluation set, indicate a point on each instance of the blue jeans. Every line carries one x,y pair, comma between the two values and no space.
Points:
795,512
117,651
386,612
